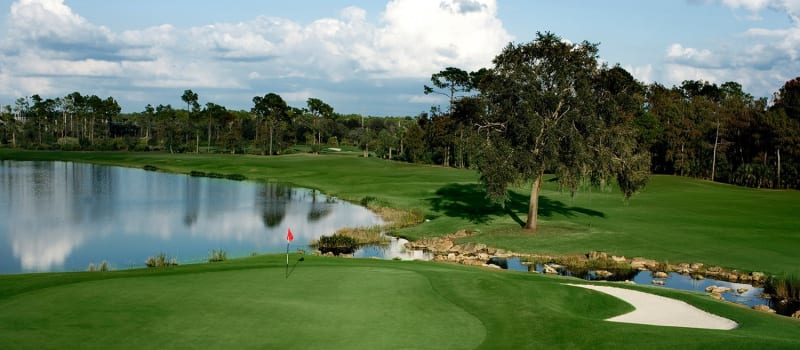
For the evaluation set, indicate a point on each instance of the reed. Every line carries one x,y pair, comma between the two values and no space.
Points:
785,287
364,235
161,260
217,255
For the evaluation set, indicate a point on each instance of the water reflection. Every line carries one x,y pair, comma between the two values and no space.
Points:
63,216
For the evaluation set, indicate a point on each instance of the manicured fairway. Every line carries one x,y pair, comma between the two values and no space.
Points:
331,303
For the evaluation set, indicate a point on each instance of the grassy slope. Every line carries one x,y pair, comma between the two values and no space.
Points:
339,303
675,219
335,303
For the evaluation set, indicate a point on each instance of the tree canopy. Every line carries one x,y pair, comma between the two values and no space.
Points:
550,110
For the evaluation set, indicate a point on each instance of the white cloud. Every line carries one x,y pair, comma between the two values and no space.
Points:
643,73
47,41
759,59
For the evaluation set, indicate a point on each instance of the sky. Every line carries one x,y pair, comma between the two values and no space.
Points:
369,57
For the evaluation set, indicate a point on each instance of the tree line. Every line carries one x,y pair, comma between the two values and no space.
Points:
546,106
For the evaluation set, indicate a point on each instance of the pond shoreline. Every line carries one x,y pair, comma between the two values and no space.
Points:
600,265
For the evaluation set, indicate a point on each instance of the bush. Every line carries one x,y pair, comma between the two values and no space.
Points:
337,244
150,167
161,260
217,255
236,177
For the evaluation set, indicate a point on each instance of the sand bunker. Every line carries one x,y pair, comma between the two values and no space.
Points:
661,311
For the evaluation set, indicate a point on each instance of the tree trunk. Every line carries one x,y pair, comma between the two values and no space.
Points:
208,143
779,167
714,158
271,130
533,208
197,143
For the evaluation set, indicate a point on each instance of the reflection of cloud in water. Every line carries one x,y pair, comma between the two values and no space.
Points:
43,252
57,208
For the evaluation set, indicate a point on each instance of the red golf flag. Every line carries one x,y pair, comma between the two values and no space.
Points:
289,236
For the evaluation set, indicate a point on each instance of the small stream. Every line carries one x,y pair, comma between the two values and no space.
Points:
741,293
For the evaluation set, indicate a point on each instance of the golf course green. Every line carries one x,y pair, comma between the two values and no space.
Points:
332,303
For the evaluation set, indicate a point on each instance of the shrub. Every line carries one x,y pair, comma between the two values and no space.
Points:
149,167
161,260
197,173
217,255
337,244
236,177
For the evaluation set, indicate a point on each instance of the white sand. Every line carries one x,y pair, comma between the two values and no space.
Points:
661,311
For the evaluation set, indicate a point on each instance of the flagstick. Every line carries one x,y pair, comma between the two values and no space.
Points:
287,259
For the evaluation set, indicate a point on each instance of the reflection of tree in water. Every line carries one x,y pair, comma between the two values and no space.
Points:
319,209
191,201
272,201
102,188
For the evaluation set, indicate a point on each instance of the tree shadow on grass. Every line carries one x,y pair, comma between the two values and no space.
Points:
469,201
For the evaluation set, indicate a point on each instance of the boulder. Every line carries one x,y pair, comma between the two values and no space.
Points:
742,290
442,245
550,270
643,264
717,296
660,274
493,266
763,308
796,314
658,282
472,262
618,259
698,277
483,256
696,266
451,256
717,289
603,273
757,276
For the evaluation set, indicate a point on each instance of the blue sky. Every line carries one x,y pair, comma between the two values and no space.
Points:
366,56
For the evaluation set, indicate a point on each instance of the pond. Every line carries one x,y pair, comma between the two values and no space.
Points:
59,216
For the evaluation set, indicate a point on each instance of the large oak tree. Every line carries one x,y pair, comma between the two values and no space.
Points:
542,115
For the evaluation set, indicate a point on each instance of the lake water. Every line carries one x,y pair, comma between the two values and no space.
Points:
58,216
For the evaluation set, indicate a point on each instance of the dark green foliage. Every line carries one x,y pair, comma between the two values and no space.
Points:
150,167
236,177
337,244
195,173
552,110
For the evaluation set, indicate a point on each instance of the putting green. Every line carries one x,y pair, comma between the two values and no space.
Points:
321,307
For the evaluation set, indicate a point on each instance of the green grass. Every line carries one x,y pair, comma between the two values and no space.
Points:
331,303
675,219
